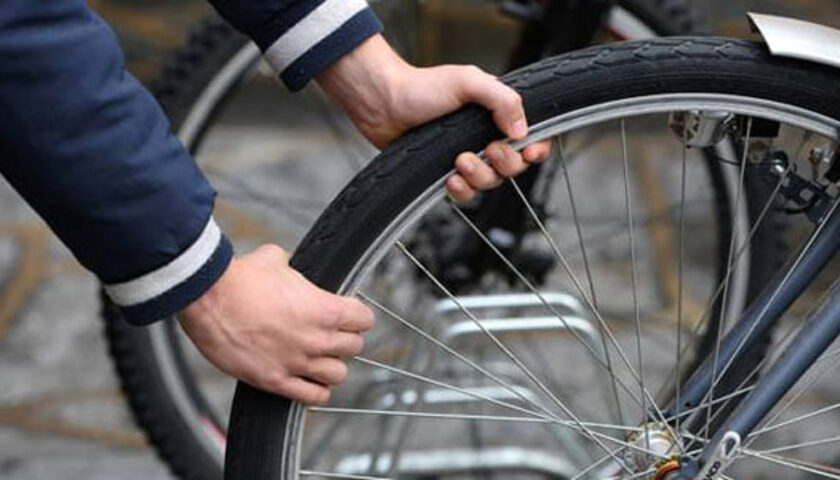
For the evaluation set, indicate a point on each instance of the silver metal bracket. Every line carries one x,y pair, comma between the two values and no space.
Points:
723,455
701,129
789,37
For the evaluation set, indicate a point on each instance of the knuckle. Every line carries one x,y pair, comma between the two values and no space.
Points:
317,396
369,320
275,252
462,162
473,70
318,343
332,314
358,346
341,372
513,100
276,381
474,79
365,316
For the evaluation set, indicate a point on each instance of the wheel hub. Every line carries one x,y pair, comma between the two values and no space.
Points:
657,448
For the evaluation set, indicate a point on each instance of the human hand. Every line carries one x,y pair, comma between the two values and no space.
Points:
267,325
384,96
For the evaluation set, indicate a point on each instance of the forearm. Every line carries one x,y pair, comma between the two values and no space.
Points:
88,147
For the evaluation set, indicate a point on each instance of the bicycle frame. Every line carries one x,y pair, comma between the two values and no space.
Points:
792,38
818,333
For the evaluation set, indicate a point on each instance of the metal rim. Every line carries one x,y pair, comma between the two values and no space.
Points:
611,111
621,21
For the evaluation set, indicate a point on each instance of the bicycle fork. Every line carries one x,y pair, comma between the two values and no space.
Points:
817,334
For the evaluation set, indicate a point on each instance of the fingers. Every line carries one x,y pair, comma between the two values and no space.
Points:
505,160
537,152
304,391
505,104
476,173
342,344
326,371
354,315
459,189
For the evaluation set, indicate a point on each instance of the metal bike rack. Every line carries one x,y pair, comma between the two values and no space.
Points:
564,302
417,463
422,463
441,396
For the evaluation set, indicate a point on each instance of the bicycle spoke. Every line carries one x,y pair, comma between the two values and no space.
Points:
680,266
570,273
493,338
460,416
346,476
795,264
437,342
595,465
811,443
576,282
575,424
633,279
790,463
500,345
530,286
835,358
722,399
765,360
558,146
438,383
695,329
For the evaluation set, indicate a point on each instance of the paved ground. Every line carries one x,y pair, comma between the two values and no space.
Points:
61,414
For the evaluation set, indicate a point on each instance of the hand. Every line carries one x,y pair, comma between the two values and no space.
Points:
384,96
267,325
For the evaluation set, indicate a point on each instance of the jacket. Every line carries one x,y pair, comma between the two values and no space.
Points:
88,147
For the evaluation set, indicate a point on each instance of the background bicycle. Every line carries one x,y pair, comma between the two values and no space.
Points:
23,350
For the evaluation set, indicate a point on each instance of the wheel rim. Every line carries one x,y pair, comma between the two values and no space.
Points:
625,110
188,399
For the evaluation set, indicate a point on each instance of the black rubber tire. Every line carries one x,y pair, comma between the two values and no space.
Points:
185,76
262,440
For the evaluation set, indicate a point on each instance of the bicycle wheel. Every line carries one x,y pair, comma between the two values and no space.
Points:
203,91
520,363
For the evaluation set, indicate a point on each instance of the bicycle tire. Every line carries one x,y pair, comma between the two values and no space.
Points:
209,49
262,437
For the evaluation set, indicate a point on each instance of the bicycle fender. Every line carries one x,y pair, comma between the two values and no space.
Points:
789,37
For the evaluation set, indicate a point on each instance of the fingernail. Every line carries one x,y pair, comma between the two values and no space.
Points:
520,128
469,166
495,152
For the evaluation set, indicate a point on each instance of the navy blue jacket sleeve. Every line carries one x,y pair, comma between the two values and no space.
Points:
88,147
300,38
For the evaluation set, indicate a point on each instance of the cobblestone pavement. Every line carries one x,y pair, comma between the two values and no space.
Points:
61,414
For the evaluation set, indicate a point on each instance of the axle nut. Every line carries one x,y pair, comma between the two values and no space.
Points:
666,470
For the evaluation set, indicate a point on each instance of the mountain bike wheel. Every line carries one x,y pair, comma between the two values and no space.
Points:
199,89
411,406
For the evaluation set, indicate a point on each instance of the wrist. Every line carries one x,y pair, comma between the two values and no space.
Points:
202,309
367,83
